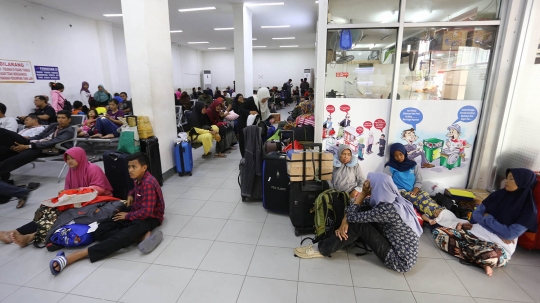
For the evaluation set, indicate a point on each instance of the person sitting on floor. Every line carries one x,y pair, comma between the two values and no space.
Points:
81,173
136,225
407,177
386,223
31,126
347,175
198,128
44,111
497,223
108,125
16,150
8,123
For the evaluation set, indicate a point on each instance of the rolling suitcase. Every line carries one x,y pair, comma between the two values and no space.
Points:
116,170
150,147
302,199
183,158
276,188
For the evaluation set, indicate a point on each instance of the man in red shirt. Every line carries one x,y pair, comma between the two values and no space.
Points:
146,207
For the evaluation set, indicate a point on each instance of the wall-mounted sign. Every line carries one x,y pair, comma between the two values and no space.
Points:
342,74
12,71
47,73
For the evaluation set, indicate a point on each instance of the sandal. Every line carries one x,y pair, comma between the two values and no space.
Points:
208,155
60,260
220,156
233,148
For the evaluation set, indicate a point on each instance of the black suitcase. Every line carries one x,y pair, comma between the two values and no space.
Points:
150,147
116,170
276,180
302,199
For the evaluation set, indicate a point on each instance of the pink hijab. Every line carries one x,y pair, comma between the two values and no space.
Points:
86,174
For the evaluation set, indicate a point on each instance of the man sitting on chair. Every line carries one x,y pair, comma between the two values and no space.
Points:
16,150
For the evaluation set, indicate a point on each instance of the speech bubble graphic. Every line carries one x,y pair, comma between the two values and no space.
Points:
412,116
380,124
330,109
466,114
360,130
368,125
345,108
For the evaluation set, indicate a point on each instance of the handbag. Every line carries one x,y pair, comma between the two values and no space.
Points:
128,144
72,235
44,217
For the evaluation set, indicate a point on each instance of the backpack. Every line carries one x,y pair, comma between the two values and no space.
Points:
67,106
329,209
72,235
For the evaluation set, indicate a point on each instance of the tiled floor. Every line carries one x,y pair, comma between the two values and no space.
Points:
219,249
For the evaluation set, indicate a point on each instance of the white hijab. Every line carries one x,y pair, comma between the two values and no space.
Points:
263,107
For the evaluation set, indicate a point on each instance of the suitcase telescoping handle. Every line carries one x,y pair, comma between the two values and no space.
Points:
281,132
313,145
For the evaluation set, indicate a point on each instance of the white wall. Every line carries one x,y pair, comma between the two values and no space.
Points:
121,61
270,67
187,67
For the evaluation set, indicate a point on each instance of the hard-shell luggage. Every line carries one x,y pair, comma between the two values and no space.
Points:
150,147
183,158
271,146
302,199
116,170
275,180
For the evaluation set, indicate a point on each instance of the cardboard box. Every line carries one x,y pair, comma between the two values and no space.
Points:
480,195
295,165
452,40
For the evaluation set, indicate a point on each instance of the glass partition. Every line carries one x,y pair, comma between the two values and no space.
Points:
364,71
450,11
362,11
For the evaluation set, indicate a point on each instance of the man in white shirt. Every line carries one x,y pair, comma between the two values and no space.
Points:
8,123
31,126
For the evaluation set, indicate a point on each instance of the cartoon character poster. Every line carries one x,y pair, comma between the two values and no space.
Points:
361,124
438,135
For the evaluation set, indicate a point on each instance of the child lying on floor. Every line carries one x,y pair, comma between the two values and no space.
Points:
433,213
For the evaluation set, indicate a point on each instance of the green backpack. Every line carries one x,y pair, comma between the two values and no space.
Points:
329,208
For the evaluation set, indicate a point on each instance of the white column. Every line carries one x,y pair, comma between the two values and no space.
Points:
108,57
320,69
148,48
243,49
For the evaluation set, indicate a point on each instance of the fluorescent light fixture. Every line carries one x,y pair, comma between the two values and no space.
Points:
288,46
275,26
316,1
385,37
284,38
196,9
178,31
217,48
254,39
258,46
265,4
223,28
112,15
200,42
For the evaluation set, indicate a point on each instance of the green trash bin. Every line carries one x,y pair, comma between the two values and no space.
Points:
433,148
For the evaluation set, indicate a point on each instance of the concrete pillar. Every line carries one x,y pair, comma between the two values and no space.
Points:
108,57
149,58
243,49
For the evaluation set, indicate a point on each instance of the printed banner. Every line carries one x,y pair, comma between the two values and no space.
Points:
47,73
12,71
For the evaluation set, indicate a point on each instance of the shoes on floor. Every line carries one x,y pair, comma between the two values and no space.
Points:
307,252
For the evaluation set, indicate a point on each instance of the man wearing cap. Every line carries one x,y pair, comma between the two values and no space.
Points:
453,143
413,150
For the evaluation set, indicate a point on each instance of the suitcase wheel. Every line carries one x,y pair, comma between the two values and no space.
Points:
244,199
190,174
296,232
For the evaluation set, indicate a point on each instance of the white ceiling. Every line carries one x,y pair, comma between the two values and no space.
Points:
301,15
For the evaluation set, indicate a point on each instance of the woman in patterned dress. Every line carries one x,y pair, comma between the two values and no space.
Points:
502,217
386,222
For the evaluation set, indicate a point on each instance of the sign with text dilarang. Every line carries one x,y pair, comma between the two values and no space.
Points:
47,73
13,71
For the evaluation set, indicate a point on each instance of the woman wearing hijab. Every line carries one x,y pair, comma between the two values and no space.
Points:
307,117
102,96
255,105
81,174
406,175
502,217
386,223
85,93
215,116
347,175
199,129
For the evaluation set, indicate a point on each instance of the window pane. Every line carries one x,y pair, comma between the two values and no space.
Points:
445,63
454,10
361,11
362,71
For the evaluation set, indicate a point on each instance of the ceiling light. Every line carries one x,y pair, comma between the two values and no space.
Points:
288,46
201,42
223,28
265,4
254,39
284,38
196,9
385,37
275,26
259,46
112,15
217,48
178,31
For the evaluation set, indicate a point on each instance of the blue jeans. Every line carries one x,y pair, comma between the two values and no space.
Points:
106,127
9,190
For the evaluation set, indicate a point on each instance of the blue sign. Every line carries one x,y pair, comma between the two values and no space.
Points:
47,73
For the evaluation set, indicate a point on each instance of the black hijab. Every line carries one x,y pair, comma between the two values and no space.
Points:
515,207
197,119
406,165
